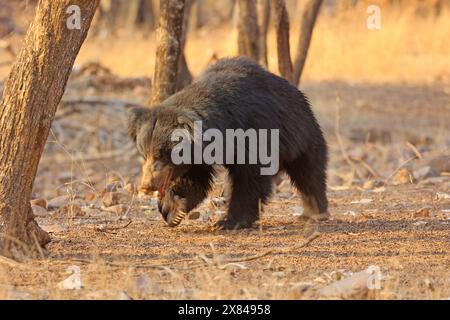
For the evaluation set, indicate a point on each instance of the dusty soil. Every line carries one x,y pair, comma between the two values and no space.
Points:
384,213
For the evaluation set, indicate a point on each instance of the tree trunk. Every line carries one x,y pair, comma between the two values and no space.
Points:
146,15
309,17
248,34
199,17
263,10
31,95
283,46
108,18
184,76
168,49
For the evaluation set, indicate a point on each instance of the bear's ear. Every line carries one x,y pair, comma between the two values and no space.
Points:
187,120
135,118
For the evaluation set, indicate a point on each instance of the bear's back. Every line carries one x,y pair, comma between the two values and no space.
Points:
237,66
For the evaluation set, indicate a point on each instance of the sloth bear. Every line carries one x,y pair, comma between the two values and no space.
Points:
233,94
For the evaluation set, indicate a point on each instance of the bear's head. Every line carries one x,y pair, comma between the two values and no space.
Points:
151,130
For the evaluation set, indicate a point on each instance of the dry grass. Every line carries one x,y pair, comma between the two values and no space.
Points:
409,48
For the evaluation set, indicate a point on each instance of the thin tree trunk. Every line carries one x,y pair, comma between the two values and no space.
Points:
146,14
263,10
168,49
108,18
199,14
139,14
31,95
184,76
283,42
248,33
309,18
131,8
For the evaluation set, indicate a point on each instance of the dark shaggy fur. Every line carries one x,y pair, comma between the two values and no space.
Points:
234,94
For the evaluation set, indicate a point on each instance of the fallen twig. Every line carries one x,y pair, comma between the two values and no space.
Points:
111,229
414,149
288,250
398,168
202,261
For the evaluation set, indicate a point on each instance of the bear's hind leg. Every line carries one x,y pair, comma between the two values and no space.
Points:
248,191
309,177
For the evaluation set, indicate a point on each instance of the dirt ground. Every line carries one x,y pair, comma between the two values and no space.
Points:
389,192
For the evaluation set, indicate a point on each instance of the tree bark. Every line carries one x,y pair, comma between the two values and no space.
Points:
283,42
168,50
31,95
248,33
184,76
309,18
263,10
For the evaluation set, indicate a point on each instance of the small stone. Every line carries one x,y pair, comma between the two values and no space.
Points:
39,202
123,296
194,215
362,201
118,209
70,211
403,176
301,286
442,196
90,196
297,210
54,228
440,164
39,211
114,198
58,202
368,185
424,173
432,181
279,274
371,184
354,287
422,213
350,213
379,190
111,187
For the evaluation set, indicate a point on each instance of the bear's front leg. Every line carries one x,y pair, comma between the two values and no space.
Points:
249,190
